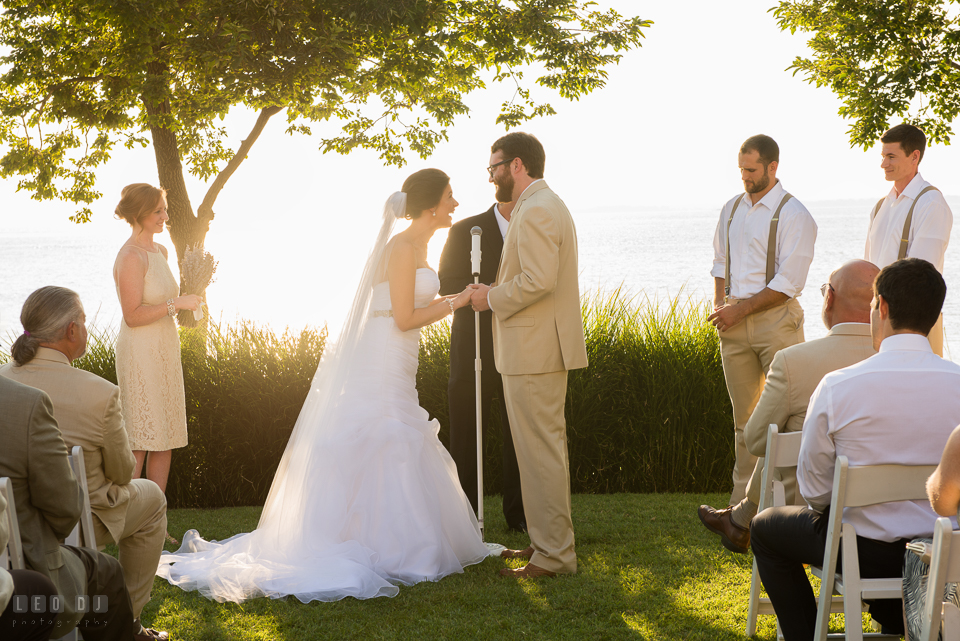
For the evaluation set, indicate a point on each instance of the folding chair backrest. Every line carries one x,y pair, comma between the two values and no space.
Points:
12,553
82,534
872,484
944,568
783,450
860,486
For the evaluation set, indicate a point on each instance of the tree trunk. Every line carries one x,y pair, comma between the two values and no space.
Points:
186,228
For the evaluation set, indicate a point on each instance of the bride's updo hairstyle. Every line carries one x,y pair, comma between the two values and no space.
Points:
424,189
137,201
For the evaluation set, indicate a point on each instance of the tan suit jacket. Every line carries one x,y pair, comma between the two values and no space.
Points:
47,495
794,373
537,326
87,409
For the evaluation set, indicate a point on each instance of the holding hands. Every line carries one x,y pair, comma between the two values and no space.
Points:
460,300
478,297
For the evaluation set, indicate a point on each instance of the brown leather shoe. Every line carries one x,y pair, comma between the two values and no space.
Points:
734,538
148,634
517,554
529,571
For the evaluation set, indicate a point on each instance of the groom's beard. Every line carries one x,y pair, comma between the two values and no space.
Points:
504,189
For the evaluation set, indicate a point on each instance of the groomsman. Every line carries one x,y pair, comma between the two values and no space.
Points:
762,250
537,338
456,273
913,220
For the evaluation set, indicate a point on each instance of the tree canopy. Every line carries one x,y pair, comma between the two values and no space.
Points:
80,77
887,60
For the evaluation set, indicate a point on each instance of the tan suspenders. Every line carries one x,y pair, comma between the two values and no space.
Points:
771,241
905,236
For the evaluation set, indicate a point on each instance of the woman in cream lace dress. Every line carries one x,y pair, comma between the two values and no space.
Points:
148,346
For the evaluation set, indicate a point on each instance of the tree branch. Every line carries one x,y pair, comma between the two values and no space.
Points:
205,211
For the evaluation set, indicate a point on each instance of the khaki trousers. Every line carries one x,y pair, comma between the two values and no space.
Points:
747,351
535,407
142,540
744,511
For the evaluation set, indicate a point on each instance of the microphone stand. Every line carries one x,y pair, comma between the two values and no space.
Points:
475,264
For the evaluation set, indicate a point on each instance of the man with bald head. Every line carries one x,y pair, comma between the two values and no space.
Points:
794,373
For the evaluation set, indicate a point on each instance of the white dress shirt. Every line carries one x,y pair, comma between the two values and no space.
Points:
898,407
929,229
749,234
502,222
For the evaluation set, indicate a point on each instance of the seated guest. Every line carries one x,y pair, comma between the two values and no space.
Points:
897,407
794,373
943,490
129,512
21,626
48,505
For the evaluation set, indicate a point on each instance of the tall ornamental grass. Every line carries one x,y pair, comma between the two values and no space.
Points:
244,388
649,414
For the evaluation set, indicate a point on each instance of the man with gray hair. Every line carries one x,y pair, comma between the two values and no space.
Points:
129,512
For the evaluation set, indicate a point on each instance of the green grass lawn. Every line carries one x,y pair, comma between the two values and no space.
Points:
647,570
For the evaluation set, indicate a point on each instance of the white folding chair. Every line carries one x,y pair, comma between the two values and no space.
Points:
783,450
861,486
11,556
82,533
944,568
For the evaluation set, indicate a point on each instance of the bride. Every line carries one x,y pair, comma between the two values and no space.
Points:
365,497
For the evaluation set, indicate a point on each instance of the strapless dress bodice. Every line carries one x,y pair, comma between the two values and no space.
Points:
425,290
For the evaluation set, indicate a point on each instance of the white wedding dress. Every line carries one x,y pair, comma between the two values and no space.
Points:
365,498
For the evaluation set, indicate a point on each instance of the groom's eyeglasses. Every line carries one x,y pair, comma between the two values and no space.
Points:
491,168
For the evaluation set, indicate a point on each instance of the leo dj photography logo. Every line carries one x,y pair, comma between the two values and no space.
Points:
40,604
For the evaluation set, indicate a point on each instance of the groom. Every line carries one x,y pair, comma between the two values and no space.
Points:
537,338
455,274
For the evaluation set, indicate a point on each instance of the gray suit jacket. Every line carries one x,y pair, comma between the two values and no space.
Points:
47,495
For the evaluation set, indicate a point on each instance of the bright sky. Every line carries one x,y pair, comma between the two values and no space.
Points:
663,134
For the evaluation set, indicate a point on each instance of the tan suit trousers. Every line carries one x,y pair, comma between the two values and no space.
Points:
535,408
747,351
142,540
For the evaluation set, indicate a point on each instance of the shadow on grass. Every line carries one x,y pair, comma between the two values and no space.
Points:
647,570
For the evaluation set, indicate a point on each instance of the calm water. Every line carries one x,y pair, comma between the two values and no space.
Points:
657,252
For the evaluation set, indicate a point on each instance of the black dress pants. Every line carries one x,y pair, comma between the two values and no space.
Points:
461,391
784,538
105,579
28,626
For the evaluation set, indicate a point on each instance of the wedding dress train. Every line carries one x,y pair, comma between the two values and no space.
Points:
364,500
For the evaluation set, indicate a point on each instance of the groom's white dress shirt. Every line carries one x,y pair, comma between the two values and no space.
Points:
502,222
897,407
929,228
749,234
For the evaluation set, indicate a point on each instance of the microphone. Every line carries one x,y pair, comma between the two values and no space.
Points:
475,250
